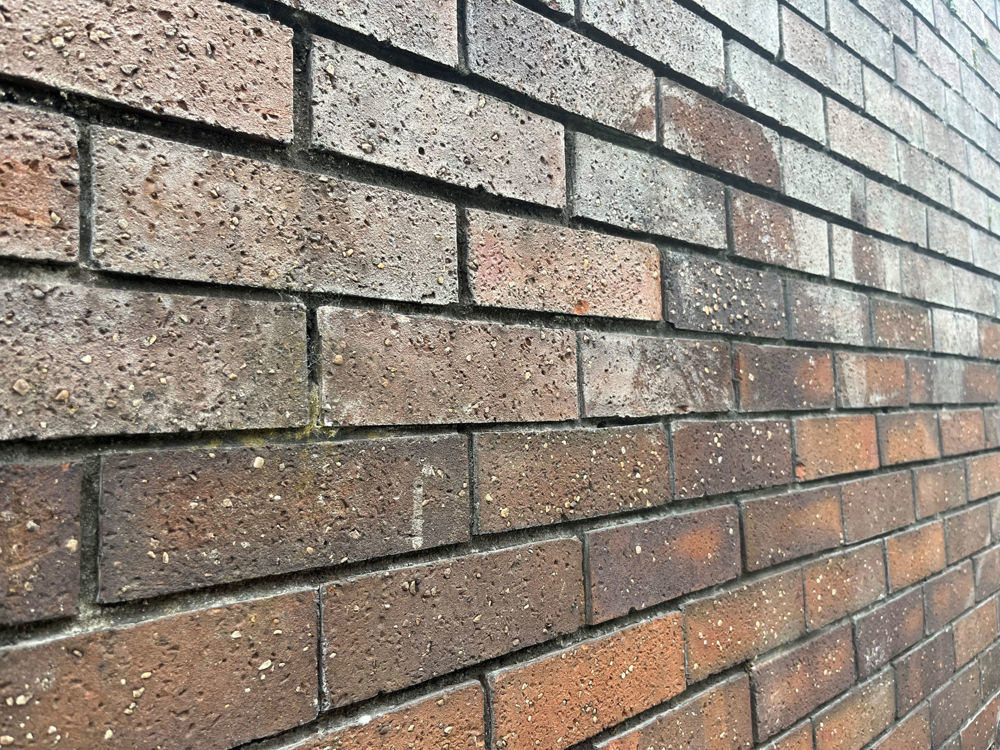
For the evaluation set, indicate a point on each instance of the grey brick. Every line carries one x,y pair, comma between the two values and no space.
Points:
985,250
757,19
861,33
772,233
891,212
949,236
974,292
920,172
979,93
937,55
893,107
928,279
917,79
983,170
943,143
827,314
964,118
820,180
865,260
861,139
895,16
970,201
817,55
814,10
955,332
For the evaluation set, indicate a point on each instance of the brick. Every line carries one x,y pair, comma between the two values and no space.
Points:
955,703
920,172
189,665
772,378
949,236
861,139
39,562
915,554
775,234
785,527
696,126
912,733
531,265
389,630
955,333
919,81
989,339
976,293
454,371
640,192
843,583
865,260
716,718
712,457
644,375
991,417
984,475
242,82
980,733
893,106
368,109
40,185
908,436
819,180
754,19
764,87
637,565
875,505
799,737
77,359
818,56
987,566
939,487
980,383
826,446
962,431
862,34
790,685
706,295
678,38
815,10
974,202
968,531
887,631
531,707
739,624
182,519
888,211
538,477
928,279
941,141
896,17
900,325
527,52
948,595
923,670
869,380
175,211
989,667
936,381
975,631
857,718
425,724
827,314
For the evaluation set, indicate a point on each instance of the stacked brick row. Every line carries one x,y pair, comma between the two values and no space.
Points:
473,373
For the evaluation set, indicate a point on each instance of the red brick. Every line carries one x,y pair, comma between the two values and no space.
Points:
828,314
715,719
788,526
857,718
962,431
888,630
980,383
989,667
939,487
614,677
531,265
981,732
385,368
875,505
736,625
39,185
39,559
826,446
640,376
989,339
968,531
975,631
173,520
984,475
955,703
908,436
775,378
386,631
797,738
538,477
641,564
948,595
166,209
901,325
93,361
843,583
987,567
912,733
211,678
923,670
232,70
915,554
790,685
777,235
711,458
866,380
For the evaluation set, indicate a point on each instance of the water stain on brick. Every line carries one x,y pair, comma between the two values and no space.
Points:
771,378
777,235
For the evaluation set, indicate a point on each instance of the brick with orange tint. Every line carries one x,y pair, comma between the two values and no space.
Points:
788,526
984,475
908,436
962,431
912,733
981,732
948,595
826,446
915,554
858,717
954,703
939,487
975,631
875,505
843,583
866,380
967,531
799,737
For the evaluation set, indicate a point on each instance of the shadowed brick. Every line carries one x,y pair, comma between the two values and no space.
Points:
923,670
888,630
843,583
788,526
915,554
858,717
825,446
775,234
775,378
867,380
875,505
827,314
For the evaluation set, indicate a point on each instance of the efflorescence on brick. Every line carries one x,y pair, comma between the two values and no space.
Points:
543,374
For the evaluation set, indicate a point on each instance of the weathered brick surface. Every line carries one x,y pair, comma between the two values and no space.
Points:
984,475
814,53
912,732
859,716
967,531
939,487
875,505
888,630
788,526
955,703
923,670
915,554
865,380
900,325
818,179
775,378
844,319
962,431
861,140
987,567
777,235
865,260
908,436
948,595
843,583
825,446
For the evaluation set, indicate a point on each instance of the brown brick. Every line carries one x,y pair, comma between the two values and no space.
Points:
984,475
233,674
386,631
981,732
915,554
706,295
857,718
715,719
843,583
775,234
39,185
908,436
826,446
888,630
790,685
39,562
975,631
784,527
867,380
989,339
924,670
955,703
80,360
737,625
532,265
170,210
991,417
875,505
712,458
935,381
948,595
773,378
962,431
989,667
987,567
637,565
968,531
234,70
385,368
901,325
827,314
939,487
174,520
616,677
912,733
798,738
863,259
640,376
980,383
368,109
538,477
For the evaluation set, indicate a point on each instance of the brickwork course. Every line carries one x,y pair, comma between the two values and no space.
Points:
500,374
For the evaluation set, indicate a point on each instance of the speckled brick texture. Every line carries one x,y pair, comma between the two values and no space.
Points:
500,374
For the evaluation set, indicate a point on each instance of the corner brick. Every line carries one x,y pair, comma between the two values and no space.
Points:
939,487
858,717
827,314
908,436
948,595
867,380
915,554
771,378
861,259
923,670
843,583
962,431
887,631
775,234
826,446
784,527
901,325
875,505
967,531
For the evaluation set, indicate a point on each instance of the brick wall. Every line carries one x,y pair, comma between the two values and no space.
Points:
472,373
